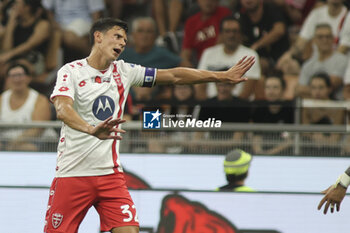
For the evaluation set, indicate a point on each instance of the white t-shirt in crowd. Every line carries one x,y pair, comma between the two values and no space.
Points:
320,16
214,58
97,95
345,32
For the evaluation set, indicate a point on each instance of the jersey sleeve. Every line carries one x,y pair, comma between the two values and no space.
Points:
139,76
64,84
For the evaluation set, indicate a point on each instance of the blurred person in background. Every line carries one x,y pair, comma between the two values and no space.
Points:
73,19
326,60
28,35
202,30
181,105
228,109
223,56
145,52
168,22
332,13
334,195
20,104
236,168
322,143
275,110
264,30
344,37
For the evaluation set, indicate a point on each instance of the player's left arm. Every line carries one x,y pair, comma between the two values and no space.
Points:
183,75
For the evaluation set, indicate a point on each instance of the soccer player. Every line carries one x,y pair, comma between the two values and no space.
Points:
335,194
89,98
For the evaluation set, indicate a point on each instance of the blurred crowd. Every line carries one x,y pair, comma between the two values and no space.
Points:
301,49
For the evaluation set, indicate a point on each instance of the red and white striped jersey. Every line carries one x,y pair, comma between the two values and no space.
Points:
97,95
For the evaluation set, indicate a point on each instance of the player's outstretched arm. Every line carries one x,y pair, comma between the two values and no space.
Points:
182,75
104,130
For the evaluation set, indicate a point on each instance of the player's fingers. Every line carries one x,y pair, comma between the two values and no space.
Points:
116,130
117,137
241,61
116,121
108,120
332,207
246,65
321,203
326,207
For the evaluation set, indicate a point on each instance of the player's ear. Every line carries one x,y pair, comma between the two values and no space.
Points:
98,36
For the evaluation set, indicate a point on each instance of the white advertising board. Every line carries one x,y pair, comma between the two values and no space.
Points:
23,210
194,172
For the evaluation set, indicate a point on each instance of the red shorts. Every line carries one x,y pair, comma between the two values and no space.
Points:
71,197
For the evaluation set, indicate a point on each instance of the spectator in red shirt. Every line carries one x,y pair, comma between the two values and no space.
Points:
202,29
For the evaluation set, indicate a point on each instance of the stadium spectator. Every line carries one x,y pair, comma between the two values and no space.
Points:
20,104
334,195
322,143
201,30
236,168
27,35
333,13
74,18
275,110
144,52
297,10
264,30
224,106
168,15
181,106
344,46
223,56
325,60
344,38
91,107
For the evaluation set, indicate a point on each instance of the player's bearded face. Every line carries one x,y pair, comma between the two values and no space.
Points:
114,42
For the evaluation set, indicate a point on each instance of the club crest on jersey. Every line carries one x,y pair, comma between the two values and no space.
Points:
57,220
103,107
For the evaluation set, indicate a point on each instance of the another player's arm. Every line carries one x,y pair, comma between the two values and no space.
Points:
182,75
66,113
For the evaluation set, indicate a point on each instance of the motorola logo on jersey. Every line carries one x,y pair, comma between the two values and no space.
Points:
103,107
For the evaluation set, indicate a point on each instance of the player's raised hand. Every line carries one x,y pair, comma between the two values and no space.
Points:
108,129
235,73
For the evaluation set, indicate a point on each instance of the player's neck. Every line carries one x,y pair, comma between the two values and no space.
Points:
97,61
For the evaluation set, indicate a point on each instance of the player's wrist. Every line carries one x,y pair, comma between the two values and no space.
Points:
90,129
343,181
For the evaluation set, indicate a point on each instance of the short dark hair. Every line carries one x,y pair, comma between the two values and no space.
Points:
278,75
235,178
229,18
104,25
324,76
16,64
